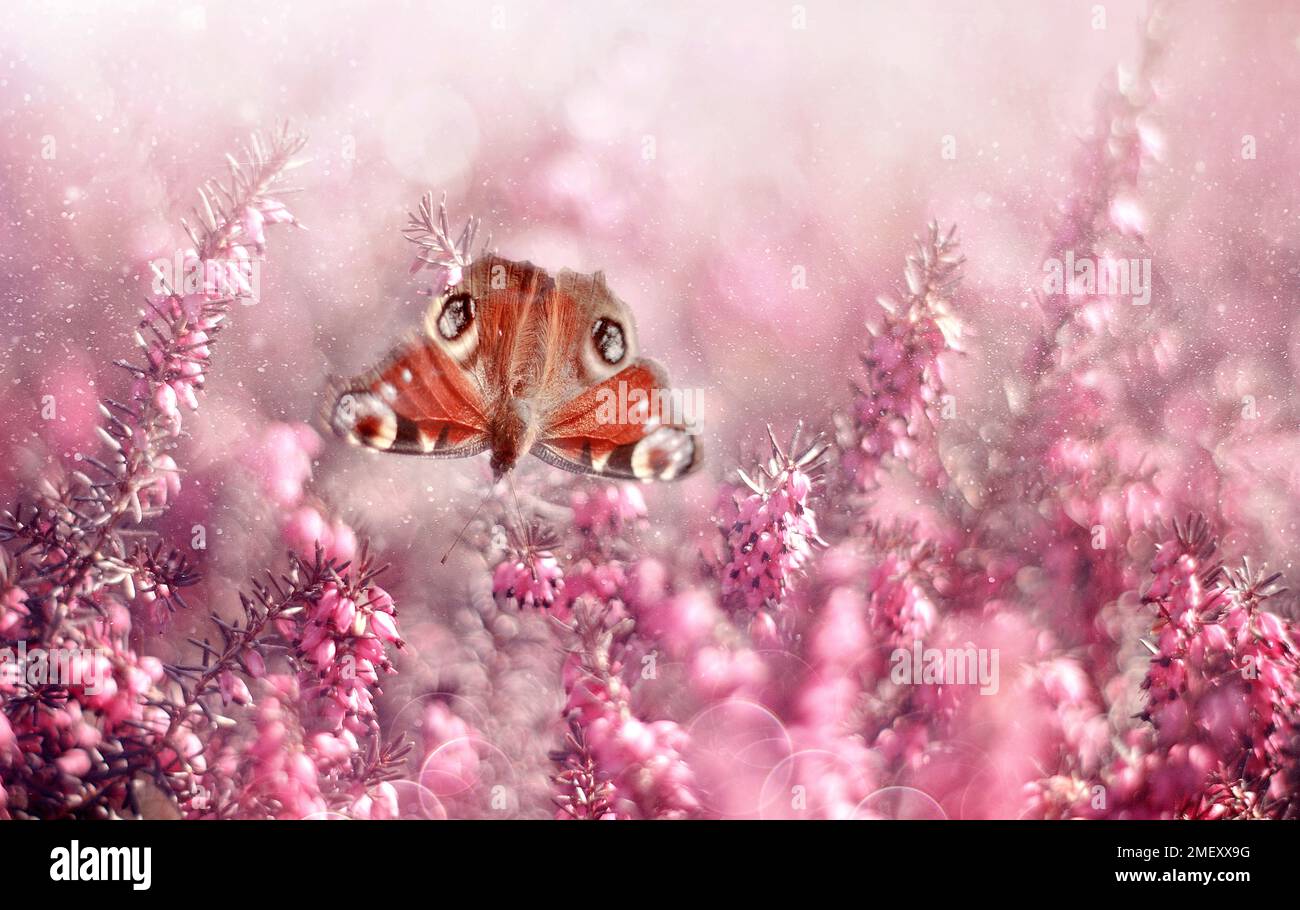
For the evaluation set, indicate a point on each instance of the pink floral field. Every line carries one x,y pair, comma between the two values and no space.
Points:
982,530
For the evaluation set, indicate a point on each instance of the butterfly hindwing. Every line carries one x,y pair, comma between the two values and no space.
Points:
619,428
419,402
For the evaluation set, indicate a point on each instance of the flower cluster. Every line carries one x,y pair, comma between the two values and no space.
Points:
902,385
582,794
774,531
342,643
77,713
529,575
635,767
312,644
1221,682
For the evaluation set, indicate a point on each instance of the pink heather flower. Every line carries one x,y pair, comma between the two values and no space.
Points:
451,764
582,792
223,274
254,664
841,638
253,227
1076,732
606,509
1220,686
717,671
681,623
642,761
284,781
8,742
347,657
440,725
306,527
165,486
1228,799
445,254
774,531
529,579
900,611
604,581
381,802
233,689
902,386
259,214
443,277
164,399
13,611
1062,796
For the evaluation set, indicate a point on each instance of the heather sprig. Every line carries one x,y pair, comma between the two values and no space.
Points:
313,639
1224,670
1103,210
895,400
642,760
81,551
438,249
80,532
1221,709
774,530
580,791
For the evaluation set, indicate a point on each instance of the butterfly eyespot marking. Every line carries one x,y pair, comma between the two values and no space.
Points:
611,344
345,411
456,317
364,418
664,454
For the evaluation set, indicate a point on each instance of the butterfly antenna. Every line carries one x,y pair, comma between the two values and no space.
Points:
478,508
524,531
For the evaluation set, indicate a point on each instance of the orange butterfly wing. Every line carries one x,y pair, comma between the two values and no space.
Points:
419,402
623,427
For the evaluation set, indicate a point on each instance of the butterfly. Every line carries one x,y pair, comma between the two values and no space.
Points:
514,361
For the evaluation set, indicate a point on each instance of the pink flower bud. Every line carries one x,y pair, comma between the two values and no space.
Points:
323,654
345,614
255,664
383,626
74,762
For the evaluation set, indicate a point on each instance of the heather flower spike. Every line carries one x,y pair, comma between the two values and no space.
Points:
582,793
431,232
895,402
932,275
619,764
529,575
774,531
1221,680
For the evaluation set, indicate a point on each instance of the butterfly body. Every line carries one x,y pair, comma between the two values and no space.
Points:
513,361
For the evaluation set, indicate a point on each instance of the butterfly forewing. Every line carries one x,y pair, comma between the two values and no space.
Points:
617,429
